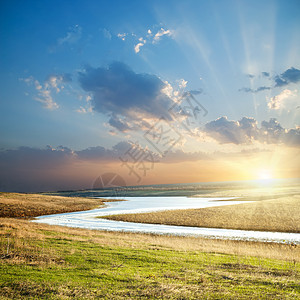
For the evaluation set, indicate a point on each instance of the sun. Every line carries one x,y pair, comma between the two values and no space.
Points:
265,175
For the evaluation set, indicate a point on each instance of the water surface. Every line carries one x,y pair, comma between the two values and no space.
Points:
89,220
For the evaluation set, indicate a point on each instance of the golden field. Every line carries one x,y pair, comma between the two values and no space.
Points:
15,205
281,214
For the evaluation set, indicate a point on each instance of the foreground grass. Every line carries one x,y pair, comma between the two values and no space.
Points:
39,261
281,215
15,205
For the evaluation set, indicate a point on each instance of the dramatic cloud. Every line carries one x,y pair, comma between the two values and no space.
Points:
43,158
246,131
119,123
126,96
291,75
122,149
236,132
31,169
278,101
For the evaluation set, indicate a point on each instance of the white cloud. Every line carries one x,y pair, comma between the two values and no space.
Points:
182,83
88,107
278,102
81,110
54,83
137,47
46,99
150,37
161,33
122,36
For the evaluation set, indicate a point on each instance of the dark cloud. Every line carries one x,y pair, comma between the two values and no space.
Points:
273,133
246,131
31,169
259,89
100,153
262,88
236,132
118,123
125,95
246,90
43,158
250,75
96,153
292,137
291,75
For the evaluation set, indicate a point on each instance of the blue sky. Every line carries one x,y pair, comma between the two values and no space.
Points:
82,74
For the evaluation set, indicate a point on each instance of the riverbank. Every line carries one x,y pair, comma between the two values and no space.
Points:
277,215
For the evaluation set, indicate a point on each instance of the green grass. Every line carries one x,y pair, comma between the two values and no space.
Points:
50,267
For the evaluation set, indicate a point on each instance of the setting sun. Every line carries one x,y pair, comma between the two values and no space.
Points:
265,174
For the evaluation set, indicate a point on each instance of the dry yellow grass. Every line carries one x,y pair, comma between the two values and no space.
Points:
22,235
17,205
22,231
282,215
40,261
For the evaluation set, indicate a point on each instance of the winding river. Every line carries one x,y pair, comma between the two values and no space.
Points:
89,220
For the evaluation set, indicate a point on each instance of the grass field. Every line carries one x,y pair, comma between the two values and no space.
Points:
16,205
42,261
281,214
39,261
